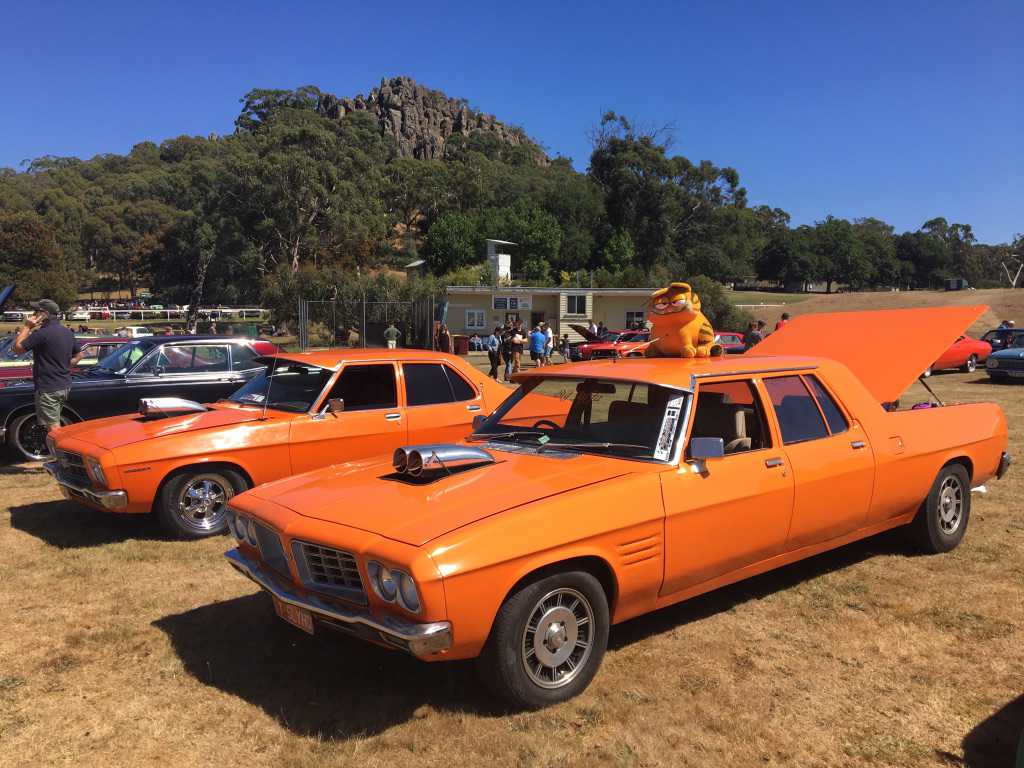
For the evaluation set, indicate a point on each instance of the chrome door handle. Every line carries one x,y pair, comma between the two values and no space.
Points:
858,444
392,416
472,407
776,462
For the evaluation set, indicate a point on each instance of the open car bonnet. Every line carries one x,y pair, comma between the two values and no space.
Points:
886,349
585,332
378,501
118,431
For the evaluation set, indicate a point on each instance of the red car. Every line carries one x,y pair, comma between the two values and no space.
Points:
965,354
606,342
17,367
618,344
731,342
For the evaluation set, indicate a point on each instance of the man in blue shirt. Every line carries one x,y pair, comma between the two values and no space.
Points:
54,351
537,342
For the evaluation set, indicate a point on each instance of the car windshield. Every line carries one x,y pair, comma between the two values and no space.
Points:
290,386
626,419
1017,341
124,357
7,353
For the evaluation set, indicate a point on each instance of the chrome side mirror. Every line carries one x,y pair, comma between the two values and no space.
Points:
703,448
335,405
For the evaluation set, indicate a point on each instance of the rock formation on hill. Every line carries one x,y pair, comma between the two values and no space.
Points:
421,120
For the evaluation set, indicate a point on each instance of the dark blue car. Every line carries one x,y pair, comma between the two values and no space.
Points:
1007,363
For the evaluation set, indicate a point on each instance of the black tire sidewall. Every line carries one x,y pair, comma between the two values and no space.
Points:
500,665
169,494
930,535
14,443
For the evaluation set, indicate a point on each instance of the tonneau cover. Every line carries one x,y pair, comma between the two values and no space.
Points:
886,349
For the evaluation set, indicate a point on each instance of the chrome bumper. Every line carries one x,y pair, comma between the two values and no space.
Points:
420,640
113,500
1004,464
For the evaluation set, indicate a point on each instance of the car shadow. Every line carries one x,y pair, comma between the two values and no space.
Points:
329,685
998,740
22,469
757,587
67,525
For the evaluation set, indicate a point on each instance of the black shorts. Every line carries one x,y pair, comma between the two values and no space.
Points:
535,355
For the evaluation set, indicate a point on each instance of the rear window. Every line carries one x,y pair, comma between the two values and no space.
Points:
433,384
834,417
799,418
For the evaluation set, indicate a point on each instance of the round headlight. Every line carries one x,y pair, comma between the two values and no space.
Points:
407,593
237,526
96,470
993,362
250,531
383,581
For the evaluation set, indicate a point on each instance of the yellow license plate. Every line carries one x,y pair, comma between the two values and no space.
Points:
297,617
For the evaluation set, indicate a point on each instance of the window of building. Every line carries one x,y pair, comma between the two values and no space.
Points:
475,320
636,319
732,411
834,416
576,304
366,387
798,415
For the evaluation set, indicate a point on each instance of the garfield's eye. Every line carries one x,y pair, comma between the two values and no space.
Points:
679,301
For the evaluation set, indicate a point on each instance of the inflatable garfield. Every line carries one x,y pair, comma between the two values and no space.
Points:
678,327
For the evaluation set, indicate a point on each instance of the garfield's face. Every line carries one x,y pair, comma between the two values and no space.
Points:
676,298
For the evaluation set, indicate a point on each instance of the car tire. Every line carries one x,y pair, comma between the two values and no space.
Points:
25,440
525,661
971,365
941,522
193,503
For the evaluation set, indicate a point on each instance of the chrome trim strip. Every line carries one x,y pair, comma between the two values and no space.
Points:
114,500
419,639
708,374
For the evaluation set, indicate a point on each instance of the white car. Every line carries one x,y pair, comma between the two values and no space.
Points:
79,314
134,331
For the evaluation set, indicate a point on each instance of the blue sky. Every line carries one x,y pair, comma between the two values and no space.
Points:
902,111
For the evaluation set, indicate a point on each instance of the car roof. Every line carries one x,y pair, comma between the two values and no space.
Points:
334,358
676,372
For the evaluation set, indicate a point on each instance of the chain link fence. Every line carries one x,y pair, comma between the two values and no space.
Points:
337,323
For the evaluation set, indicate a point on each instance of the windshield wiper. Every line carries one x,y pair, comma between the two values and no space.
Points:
588,444
498,435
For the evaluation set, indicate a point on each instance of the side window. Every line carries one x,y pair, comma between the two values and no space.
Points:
732,411
209,359
366,387
90,353
834,417
243,358
426,384
460,387
799,417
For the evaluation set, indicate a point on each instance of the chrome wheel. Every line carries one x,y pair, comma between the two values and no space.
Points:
201,501
29,439
951,505
557,639
972,364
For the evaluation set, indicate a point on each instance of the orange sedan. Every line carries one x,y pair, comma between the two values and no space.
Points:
184,460
603,490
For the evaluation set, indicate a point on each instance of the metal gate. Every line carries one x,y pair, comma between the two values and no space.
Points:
335,323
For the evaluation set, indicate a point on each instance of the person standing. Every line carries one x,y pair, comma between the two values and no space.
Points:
751,337
444,340
537,342
549,342
782,321
391,336
518,342
506,350
493,346
55,350
592,327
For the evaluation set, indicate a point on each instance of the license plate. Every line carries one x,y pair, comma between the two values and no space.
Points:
298,617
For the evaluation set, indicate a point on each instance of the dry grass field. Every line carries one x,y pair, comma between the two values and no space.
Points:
121,648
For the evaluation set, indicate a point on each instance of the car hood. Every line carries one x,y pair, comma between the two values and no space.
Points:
861,341
1013,353
369,495
118,431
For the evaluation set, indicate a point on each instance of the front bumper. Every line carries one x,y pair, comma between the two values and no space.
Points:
115,501
421,640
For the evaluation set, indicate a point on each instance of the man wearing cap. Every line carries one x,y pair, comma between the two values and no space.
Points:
54,351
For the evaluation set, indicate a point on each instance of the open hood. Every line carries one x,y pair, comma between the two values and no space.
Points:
5,293
886,349
585,332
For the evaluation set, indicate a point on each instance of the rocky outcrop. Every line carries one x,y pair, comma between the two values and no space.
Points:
421,120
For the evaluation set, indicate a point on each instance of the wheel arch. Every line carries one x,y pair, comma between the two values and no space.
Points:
963,460
199,465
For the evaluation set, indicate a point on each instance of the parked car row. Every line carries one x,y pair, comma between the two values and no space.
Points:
404,498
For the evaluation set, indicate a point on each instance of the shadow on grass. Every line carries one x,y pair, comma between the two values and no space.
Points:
757,587
328,685
998,740
68,525
27,470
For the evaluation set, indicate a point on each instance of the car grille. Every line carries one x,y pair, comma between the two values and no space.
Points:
72,469
332,570
1010,364
599,353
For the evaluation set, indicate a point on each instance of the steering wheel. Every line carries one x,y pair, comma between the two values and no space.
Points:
549,422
